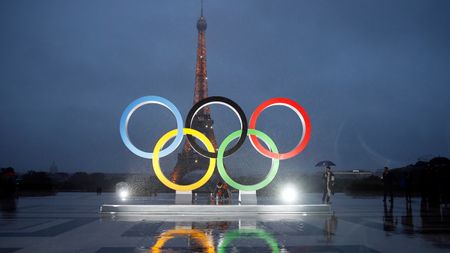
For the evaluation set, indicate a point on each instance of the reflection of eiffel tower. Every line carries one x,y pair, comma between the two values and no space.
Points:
189,160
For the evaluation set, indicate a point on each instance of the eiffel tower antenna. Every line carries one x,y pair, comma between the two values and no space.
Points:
201,10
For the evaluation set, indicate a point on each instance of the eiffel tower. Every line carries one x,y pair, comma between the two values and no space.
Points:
189,160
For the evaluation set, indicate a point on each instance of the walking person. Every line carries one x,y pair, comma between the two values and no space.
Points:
387,184
328,185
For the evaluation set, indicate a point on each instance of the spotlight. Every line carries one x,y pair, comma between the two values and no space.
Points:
123,190
123,194
289,194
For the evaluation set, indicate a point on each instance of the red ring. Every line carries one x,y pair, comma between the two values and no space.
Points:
301,114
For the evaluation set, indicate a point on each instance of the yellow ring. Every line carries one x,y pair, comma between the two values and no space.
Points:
159,174
197,235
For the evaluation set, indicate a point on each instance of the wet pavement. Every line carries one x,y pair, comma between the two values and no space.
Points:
70,222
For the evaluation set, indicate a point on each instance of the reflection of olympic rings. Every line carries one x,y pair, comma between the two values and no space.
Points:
221,152
167,182
217,100
195,234
273,170
248,233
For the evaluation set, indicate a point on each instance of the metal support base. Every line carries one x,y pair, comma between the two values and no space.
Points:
248,198
183,198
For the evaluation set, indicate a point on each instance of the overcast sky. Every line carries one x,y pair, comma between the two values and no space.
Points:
374,77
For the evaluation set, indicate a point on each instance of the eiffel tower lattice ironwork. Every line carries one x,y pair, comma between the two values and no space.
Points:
189,160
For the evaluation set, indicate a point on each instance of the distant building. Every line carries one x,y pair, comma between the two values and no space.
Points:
353,174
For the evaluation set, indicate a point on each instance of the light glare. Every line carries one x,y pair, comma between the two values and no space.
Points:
289,194
123,194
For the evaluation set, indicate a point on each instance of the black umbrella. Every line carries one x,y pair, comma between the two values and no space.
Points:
325,164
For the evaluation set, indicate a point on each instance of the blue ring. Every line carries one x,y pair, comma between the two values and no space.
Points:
133,107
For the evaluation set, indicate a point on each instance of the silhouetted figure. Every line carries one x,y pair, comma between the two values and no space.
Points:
430,186
218,190
226,191
435,217
327,185
441,187
8,192
99,190
446,217
408,186
440,192
445,179
8,183
387,184
425,185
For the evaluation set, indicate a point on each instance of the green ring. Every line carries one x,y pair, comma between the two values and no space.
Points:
273,170
258,233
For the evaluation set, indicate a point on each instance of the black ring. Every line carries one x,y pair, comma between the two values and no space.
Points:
216,100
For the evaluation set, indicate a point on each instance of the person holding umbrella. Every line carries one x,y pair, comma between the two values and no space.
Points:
328,185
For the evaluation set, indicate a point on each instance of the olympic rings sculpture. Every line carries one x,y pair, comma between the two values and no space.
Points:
213,155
